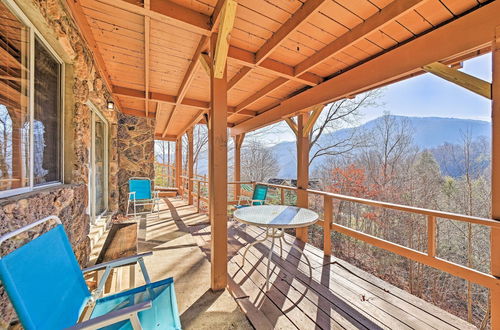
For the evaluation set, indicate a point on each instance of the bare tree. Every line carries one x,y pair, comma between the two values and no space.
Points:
257,162
341,114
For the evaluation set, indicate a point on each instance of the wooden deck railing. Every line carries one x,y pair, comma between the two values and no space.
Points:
429,258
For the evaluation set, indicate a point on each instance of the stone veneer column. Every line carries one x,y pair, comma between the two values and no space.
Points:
135,152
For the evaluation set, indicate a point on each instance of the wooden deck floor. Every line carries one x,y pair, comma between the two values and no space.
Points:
339,295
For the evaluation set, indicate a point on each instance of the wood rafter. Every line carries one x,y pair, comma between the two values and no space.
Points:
400,62
168,12
171,138
84,27
215,18
373,23
247,58
278,82
138,113
192,123
228,14
160,97
294,22
238,76
460,78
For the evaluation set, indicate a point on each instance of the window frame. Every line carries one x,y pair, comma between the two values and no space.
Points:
91,209
34,33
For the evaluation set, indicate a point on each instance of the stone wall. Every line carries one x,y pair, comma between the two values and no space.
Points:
83,83
68,202
136,156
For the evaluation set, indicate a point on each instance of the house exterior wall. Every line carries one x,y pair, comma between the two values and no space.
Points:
132,136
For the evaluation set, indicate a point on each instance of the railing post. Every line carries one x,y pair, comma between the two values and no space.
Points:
327,225
495,179
303,145
431,235
190,166
282,192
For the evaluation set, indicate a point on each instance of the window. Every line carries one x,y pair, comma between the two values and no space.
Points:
30,106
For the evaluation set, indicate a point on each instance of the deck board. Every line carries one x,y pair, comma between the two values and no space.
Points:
340,296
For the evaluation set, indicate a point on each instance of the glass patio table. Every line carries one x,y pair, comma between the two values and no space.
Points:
274,219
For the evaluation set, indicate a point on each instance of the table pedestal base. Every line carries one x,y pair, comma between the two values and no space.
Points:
274,233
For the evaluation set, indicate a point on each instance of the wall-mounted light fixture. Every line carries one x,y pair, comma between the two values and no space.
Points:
111,105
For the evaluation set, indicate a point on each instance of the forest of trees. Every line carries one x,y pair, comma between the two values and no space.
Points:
391,168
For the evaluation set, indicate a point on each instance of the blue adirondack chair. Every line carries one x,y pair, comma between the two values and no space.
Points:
47,289
258,197
141,193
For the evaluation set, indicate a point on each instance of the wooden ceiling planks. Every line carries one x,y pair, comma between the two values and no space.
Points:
271,56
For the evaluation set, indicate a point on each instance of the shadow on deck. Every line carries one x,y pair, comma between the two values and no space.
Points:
338,296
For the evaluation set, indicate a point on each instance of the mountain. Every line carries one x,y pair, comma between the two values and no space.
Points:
428,132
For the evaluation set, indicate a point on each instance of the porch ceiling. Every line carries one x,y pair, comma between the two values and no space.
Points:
284,55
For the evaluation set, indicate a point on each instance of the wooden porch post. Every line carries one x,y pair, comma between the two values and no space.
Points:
178,164
217,179
302,169
190,166
238,141
495,179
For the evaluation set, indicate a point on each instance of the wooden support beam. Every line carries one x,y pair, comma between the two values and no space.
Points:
275,84
237,77
228,15
460,78
170,138
291,123
315,112
187,80
495,180
217,143
403,61
205,63
238,142
375,22
216,14
160,97
167,124
302,170
191,71
78,15
178,162
192,123
247,58
299,18
168,12
138,113
190,165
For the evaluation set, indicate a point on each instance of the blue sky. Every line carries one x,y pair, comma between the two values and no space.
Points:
422,96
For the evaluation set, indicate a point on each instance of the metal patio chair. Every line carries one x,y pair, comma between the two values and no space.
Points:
47,289
258,197
141,193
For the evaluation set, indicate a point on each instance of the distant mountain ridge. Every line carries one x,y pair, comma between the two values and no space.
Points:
428,132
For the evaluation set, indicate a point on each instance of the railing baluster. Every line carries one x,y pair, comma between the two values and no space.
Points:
282,192
327,223
431,236
198,197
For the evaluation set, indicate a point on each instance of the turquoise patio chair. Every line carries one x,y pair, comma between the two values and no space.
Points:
141,193
258,197
47,289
